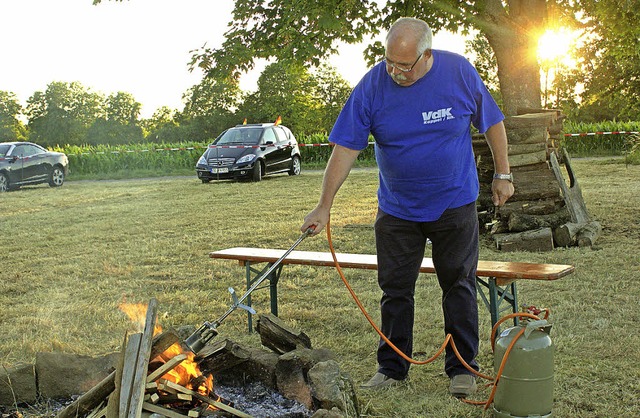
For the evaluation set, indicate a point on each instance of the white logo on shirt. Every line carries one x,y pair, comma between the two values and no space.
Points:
434,116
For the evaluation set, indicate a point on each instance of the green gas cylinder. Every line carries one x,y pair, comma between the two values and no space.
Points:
525,388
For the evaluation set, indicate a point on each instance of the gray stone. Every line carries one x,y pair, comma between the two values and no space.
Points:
333,389
61,375
324,413
17,385
259,367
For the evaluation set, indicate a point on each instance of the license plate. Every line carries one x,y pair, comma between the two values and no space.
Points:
219,170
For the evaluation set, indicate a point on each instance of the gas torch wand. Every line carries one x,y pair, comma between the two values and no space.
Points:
208,330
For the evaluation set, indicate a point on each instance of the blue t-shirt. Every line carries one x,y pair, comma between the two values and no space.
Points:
422,135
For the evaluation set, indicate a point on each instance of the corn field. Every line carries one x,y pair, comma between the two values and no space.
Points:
96,160
106,160
599,144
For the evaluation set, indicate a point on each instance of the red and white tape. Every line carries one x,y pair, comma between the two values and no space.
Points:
602,133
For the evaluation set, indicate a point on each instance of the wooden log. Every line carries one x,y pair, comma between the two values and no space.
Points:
113,405
534,185
519,222
527,159
530,207
137,365
526,169
517,149
530,120
132,353
481,147
588,235
565,235
528,135
572,193
162,411
169,365
99,412
94,396
275,335
162,342
174,398
536,240
526,110
222,355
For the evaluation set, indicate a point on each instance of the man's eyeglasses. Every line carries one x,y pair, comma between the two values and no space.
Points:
402,68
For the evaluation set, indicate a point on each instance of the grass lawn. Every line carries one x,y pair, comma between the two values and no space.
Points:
71,255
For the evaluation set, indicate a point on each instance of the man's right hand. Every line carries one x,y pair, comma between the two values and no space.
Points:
316,219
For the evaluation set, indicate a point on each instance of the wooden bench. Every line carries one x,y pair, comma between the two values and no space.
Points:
496,279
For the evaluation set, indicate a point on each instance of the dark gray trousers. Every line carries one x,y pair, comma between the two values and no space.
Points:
400,246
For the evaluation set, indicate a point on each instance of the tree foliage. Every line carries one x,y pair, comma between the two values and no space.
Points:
123,108
610,68
11,127
307,101
306,32
63,113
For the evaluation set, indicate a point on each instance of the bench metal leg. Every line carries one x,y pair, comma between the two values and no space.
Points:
496,295
253,274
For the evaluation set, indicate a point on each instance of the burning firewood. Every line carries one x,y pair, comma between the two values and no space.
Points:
169,365
154,375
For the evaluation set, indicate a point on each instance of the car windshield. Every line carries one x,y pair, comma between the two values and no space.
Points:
4,148
245,136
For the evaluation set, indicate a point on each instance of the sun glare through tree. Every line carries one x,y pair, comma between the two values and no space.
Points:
555,48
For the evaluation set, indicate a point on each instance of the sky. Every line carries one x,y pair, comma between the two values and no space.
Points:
135,46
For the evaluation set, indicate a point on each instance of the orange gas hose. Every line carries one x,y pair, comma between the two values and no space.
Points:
448,338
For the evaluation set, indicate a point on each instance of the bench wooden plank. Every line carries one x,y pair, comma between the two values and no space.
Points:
500,270
500,276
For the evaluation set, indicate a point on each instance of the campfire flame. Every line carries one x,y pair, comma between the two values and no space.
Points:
187,373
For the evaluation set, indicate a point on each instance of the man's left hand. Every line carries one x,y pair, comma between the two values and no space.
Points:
501,191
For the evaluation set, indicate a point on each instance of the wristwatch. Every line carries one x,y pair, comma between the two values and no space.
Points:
500,176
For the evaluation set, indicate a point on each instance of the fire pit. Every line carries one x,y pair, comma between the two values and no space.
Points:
154,374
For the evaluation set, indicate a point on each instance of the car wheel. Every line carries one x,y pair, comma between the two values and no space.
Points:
56,177
296,167
205,181
4,183
256,173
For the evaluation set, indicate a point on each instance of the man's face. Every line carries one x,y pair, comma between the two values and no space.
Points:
402,73
405,64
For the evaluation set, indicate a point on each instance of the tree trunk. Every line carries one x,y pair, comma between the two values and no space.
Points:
511,34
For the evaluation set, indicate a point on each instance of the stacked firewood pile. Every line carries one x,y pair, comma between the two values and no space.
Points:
544,212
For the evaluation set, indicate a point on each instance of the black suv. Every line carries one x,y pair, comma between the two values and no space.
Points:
23,163
250,152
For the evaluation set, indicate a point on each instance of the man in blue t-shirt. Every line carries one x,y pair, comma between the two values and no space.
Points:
419,105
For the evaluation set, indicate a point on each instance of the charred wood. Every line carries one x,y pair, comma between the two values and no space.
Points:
275,335
222,355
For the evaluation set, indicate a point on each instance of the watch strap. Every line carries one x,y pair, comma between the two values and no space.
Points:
502,176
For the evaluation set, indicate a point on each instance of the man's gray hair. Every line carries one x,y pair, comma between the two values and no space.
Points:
418,27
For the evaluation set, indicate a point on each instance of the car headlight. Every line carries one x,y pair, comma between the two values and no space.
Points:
202,161
246,159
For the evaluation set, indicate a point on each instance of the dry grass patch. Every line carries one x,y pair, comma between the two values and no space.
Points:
71,255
